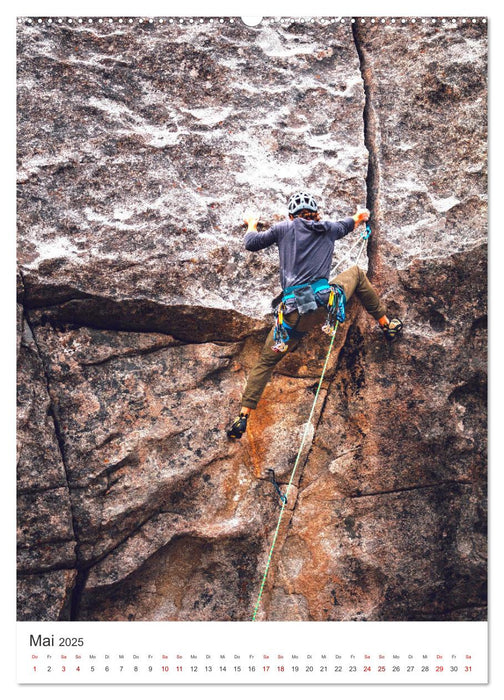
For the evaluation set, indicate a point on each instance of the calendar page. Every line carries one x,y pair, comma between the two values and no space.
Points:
251,348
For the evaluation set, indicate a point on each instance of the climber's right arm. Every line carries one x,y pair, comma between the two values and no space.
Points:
361,215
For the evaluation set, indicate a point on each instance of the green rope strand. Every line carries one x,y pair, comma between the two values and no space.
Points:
293,472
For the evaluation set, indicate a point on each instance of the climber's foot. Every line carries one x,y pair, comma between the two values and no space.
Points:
238,428
392,329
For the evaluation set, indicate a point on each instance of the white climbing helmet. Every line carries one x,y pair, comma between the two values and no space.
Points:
301,200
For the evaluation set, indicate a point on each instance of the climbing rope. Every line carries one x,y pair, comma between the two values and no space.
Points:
284,502
364,236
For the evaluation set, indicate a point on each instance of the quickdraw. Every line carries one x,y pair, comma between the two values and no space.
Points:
282,497
336,308
280,331
363,237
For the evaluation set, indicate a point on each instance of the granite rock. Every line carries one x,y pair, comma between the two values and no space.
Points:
140,314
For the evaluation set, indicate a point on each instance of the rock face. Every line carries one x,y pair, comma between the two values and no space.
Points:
140,315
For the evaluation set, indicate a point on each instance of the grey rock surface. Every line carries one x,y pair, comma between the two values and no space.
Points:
140,147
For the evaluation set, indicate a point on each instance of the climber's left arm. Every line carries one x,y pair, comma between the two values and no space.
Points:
255,240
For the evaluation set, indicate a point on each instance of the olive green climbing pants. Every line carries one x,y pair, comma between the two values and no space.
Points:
352,281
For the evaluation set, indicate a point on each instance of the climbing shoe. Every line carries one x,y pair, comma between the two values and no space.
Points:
392,329
238,428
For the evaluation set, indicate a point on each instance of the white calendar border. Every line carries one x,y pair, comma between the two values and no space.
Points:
261,8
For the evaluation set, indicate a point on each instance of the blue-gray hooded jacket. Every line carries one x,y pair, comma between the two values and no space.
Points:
305,247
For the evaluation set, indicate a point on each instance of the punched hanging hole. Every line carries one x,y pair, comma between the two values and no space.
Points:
251,21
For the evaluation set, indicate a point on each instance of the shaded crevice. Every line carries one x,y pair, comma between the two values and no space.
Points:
59,440
371,142
57,431
39,570
130,354
466,482
185,322
23,491
78,593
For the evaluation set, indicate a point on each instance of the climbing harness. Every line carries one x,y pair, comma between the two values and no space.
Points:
336,308
307,297
304,298
275,483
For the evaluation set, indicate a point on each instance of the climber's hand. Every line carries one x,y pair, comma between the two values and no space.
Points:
251,220
361,215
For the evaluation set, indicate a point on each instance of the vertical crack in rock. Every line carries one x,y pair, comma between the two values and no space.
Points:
372,203
59,441
78,592
52,410
371,141
72,608
371,138
370,128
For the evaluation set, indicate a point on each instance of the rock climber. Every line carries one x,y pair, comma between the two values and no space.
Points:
305,245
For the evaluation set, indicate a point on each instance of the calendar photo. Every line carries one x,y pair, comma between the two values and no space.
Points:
251,334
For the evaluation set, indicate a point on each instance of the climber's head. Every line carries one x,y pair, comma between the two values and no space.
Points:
303,205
